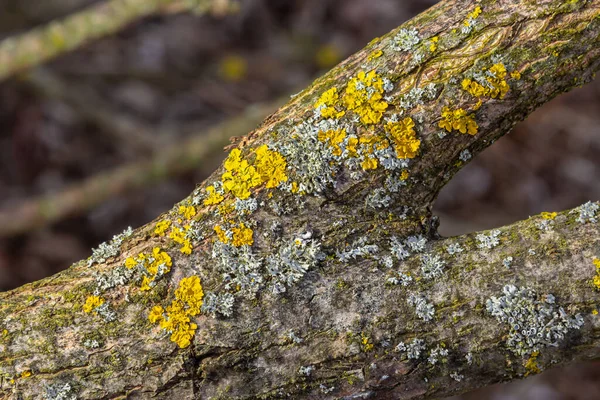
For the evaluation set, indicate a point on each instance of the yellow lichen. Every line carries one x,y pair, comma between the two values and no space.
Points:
596,281
178,235
221,234
270,165
333,137
366,343
154,265
515,75
433,43
156,314
471,16
364,96
404,175
496,87
369,163
242,235
213,196
404,137
188,212
26,374
548,215
531,365
374,55
327,102
458,120
176,318
240,176
161,227
91,303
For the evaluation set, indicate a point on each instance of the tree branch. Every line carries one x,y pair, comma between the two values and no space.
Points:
311,267
58,37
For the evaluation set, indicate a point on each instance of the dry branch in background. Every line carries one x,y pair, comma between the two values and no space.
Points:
308,266
195,153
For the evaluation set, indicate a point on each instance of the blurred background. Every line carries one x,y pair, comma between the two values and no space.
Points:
103,137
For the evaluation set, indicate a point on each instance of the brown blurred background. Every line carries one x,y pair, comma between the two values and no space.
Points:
130,97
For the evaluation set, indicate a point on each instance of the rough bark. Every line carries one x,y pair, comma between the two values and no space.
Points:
337,332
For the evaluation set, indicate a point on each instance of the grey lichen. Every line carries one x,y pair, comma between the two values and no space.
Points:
406,39
413,349
59,391
423,309
587,212
107,250
432,266
488,241
454,248
534,322
221,303
291,261
359,248
437,354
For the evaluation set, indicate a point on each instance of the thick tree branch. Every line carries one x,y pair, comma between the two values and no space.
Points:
321,271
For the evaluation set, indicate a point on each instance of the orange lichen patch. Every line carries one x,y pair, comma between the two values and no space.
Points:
597,277
91,303
404,137
548,215
458,120
214,197
327,104
240,176
270,166
496,86
364,96
333,137
176,318
161,227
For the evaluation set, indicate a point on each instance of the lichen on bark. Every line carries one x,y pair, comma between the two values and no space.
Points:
318,231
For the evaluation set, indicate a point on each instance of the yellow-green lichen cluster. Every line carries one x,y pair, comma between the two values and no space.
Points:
176,318
458,120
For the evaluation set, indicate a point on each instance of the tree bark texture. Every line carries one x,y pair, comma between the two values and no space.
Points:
326,246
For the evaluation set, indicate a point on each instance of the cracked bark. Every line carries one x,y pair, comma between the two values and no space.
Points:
340,309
